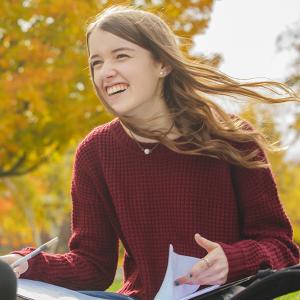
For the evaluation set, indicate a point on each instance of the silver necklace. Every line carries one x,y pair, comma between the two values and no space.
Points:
148,151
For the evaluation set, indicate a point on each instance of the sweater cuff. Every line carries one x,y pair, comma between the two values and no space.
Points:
24,252
236,262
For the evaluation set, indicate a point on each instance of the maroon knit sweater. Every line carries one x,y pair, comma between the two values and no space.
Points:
150,201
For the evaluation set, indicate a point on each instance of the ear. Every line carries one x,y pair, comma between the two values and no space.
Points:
165,70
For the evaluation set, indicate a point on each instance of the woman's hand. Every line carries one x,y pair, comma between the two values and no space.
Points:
11,258
211,269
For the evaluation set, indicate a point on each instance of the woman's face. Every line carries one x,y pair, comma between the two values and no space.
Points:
125,75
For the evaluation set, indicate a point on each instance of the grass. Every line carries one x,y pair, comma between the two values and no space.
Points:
291,296
115,285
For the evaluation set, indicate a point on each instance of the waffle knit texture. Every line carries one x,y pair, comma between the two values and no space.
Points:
150,201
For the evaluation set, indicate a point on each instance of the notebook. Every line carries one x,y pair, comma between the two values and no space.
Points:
37,290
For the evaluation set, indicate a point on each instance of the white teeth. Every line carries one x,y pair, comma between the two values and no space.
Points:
118,87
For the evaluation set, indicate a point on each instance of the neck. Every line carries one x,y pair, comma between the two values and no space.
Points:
154,117
163,125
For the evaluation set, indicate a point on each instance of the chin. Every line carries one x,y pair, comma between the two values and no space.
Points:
121,112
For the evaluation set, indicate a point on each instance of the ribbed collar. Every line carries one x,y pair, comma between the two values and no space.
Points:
124,140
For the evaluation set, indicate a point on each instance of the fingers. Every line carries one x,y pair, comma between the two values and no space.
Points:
207,264
17,273
201,274
182,280
216,273
204,243
211,269
203,267
11,258
21,269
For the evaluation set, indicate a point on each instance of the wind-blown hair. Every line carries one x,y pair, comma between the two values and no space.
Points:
205,127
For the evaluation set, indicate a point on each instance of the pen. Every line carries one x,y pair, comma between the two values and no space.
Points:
34,253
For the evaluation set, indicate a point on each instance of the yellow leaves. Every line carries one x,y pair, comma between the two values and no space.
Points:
40,203
6,204
205,4
287,177
42,110
116,2
42,59
171,11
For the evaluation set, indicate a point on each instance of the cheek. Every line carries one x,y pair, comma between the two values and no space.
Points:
97,83
96,78
143,78
148,82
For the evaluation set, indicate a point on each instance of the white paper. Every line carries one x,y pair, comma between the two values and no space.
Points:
179,265
201,292
38,290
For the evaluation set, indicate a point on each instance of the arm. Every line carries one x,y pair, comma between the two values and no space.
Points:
266,233
92,259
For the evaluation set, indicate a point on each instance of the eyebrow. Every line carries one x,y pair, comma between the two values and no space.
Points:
113,51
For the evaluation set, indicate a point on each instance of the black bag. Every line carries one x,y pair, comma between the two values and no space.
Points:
274,284
265,285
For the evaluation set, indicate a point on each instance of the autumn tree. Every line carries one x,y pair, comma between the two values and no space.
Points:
46,97
47,104
36,206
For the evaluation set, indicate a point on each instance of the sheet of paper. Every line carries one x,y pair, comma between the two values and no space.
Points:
38,290
178,265
201,292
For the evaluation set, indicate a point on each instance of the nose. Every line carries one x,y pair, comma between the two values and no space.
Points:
108,71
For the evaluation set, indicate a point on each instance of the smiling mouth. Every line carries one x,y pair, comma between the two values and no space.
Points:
117,92
116,89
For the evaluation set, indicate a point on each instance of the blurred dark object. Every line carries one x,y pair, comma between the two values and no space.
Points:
265,285
272,285
8,282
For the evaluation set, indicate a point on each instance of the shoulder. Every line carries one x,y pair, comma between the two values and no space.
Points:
97,138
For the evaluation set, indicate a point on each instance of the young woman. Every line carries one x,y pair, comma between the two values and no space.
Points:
172,168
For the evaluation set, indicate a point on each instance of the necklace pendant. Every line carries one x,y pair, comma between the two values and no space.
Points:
147,151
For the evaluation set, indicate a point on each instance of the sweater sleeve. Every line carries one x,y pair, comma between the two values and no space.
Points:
266,233
92,259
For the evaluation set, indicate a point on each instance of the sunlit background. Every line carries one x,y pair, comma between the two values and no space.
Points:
47,103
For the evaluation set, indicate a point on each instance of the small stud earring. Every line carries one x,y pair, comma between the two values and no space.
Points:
162,73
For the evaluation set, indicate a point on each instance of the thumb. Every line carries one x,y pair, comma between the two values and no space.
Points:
204,243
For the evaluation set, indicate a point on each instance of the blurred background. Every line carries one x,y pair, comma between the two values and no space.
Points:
47,102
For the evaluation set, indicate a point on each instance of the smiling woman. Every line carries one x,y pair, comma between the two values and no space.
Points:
116,65
171,168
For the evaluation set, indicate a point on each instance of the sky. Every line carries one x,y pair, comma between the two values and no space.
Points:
244,32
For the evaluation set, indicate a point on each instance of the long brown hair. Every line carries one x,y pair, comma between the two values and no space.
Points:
207,129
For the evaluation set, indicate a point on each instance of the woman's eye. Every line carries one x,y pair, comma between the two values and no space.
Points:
122,55
95,63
